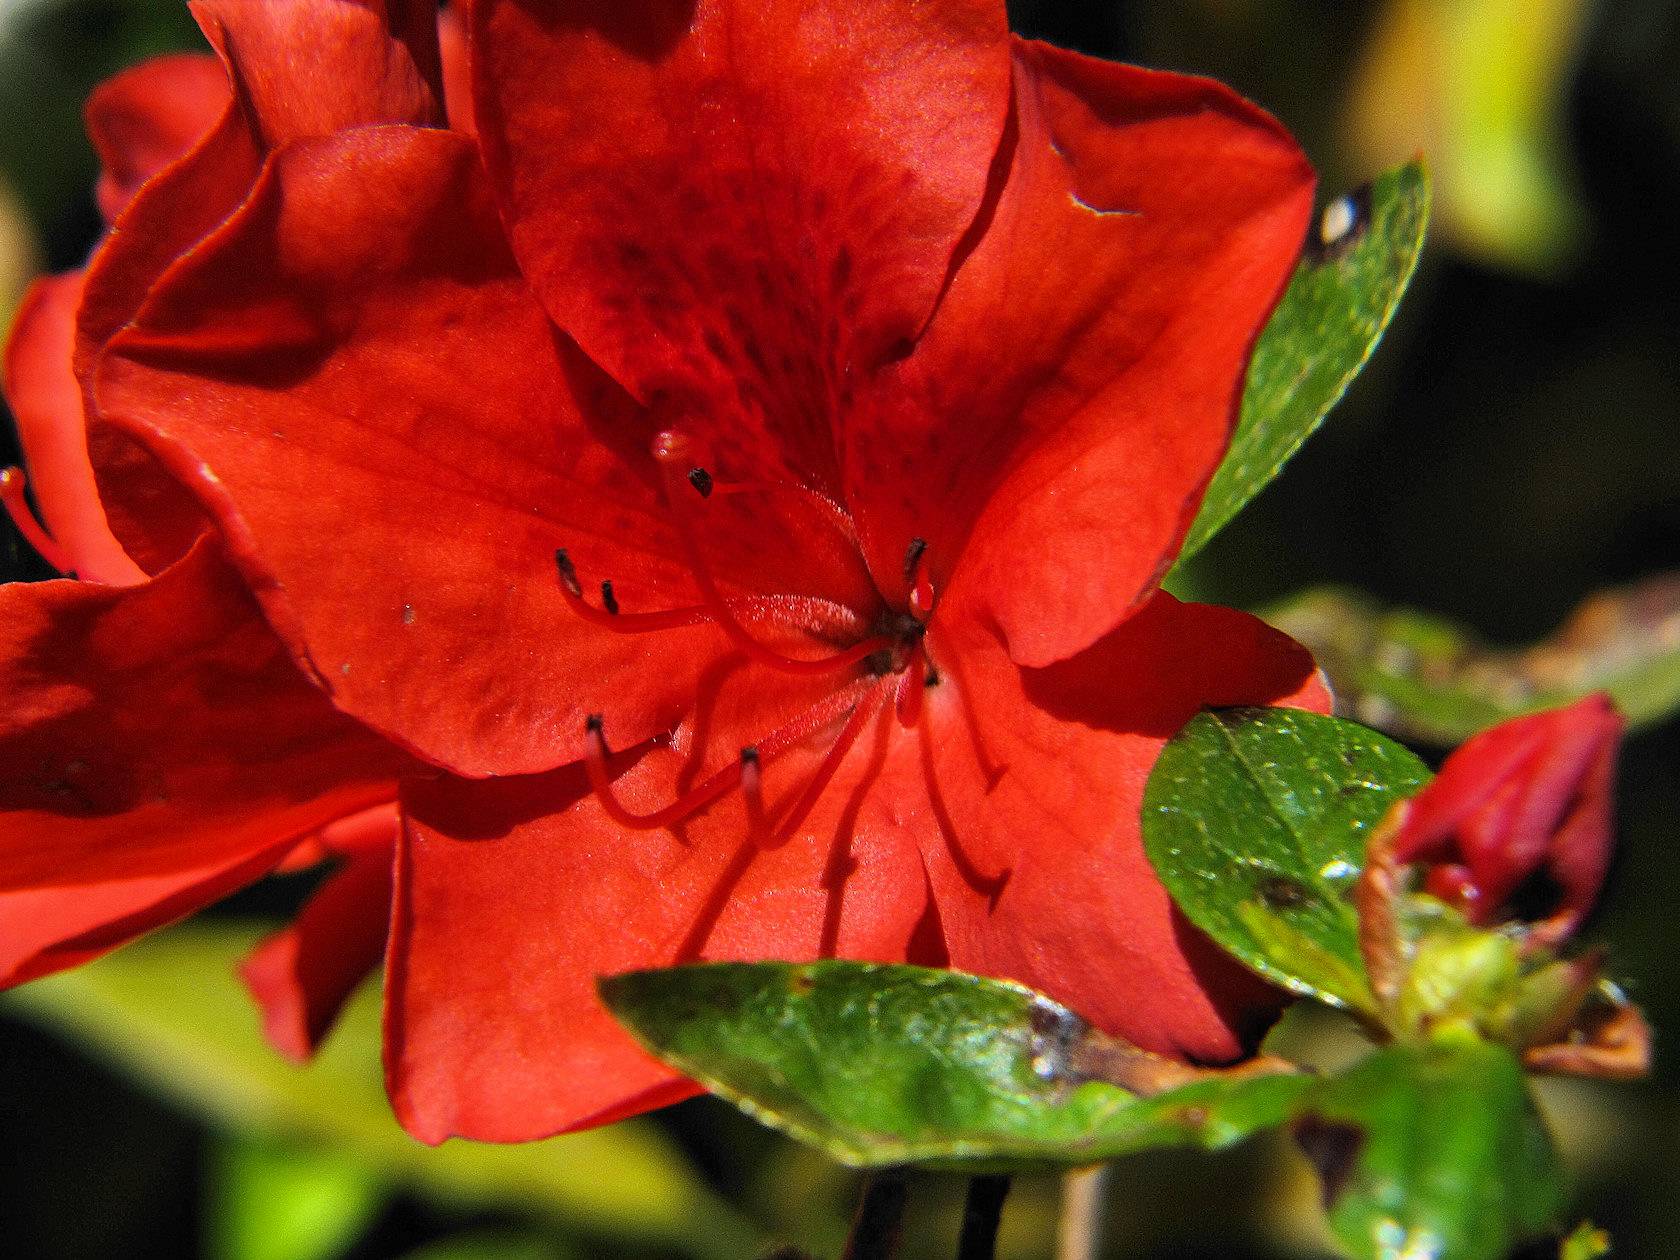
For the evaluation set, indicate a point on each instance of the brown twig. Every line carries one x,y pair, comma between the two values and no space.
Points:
880,1217
981,1214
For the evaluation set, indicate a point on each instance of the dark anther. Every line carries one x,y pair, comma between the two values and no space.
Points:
593,723
913,557
749,756
568,574
701,480
609,601
932,679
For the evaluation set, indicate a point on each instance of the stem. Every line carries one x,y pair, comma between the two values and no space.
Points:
981,1214
1083,1193
879,1219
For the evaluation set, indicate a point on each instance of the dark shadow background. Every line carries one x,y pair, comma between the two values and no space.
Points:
1513,447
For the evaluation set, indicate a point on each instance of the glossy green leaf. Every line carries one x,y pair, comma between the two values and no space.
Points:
1325,327
169,1010
880,1064
1430,680
1433,1150
282,1201
1256,819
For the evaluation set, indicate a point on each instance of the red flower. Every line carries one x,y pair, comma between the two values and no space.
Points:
1529,797
862,368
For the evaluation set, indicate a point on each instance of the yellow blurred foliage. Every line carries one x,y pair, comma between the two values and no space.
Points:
1479,86
18,259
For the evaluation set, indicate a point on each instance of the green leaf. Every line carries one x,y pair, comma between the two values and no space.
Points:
1255,820
280,1201
1428,679
169,1010
1433,1149
879,1064
1325,327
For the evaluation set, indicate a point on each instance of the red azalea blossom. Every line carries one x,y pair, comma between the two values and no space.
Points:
722,497
1532,796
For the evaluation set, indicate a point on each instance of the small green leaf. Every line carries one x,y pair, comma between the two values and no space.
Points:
1325,327
1255,820
879,1064
1433,1149
282,1201
1428,679
170,1011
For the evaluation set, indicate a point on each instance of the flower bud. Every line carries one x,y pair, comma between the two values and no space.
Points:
1524,807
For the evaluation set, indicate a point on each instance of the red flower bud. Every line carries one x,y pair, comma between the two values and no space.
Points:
1529,797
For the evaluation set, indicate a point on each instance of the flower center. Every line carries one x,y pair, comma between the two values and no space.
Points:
889,664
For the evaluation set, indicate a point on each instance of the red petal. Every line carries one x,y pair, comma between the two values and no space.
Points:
146,118
302,975
359,326
313,67
457,72
303,67
514,895
43,930
1080,913
47,404
1078,384
157,745
740,206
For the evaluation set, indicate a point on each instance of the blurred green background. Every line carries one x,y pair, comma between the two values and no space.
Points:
1513,448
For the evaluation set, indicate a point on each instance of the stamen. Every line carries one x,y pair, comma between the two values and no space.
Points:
610,616
913,558
17,507
600,781
752,788
701,480
598,754
671,450
921,585
911,684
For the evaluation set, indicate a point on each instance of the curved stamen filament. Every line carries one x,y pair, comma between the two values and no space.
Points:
609,616
597,756
17,507
671,450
